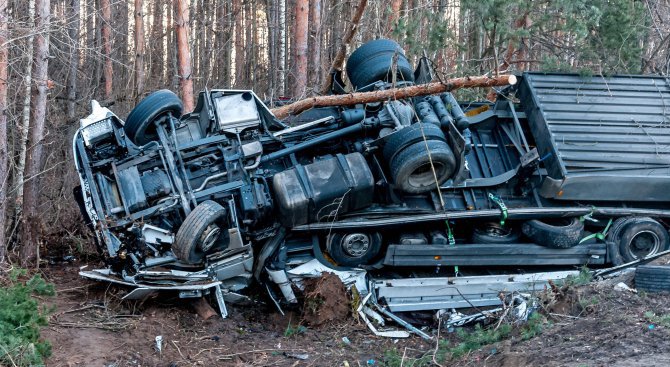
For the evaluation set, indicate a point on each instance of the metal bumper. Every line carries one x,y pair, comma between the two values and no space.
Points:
524,254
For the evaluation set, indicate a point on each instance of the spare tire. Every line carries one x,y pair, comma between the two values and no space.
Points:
493,232
373,62
652,278
412,167
203,231
139,124
399,140
554,233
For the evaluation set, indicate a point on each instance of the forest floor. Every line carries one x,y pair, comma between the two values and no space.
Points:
595,326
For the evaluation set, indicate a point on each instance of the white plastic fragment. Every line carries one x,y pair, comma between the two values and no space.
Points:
621,286
159,343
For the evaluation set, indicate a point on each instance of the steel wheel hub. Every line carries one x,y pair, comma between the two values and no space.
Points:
355,244
644,244
211,236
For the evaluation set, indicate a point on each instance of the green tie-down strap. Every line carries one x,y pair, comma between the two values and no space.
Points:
599,235
452,242
503,208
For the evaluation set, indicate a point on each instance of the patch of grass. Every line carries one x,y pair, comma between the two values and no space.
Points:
394,358
585,303
293,330
21,318
663,320
584,277
476,339
535,325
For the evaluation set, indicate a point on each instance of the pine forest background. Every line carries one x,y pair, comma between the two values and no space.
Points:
57,55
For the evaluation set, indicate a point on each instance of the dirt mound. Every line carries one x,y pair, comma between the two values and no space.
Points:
564,300
326,300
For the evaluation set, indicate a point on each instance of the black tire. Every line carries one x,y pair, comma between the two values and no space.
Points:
412,168
353,256
372,62
641,237
139,124
204,230
653,278
558,233
399,140
493,232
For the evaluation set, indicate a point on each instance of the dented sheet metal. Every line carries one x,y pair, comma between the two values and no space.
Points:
418,294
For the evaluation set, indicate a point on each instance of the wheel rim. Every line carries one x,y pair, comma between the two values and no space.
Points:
355,244
643,244
423,175
211,237
497,231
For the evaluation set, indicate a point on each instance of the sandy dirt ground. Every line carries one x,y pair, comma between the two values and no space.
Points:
594,326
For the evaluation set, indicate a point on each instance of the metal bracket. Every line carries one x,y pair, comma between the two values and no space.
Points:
219,299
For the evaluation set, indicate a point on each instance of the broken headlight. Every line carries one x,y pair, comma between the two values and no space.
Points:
97,132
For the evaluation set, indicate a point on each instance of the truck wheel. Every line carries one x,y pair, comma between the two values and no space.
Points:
399,140
652,278
493,232
353,249
642,237
139,124
412,168
556,233
204,230
373,61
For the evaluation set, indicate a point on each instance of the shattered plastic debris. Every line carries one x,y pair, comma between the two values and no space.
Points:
159,343
621,286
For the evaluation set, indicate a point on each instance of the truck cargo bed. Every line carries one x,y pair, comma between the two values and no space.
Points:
600,138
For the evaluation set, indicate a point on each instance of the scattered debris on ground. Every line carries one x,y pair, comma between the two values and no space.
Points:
576,323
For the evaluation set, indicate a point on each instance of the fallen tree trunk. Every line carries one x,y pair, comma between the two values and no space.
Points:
394,93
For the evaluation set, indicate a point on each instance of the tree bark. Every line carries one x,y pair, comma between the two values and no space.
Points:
315,44
4,152
17,182
395,14
32,220
239,42
300,34
181,13
338,61
139,49
106,34
73,33
393,94
282,47
158,43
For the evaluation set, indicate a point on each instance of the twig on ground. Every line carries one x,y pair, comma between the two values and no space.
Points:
229,356
178,350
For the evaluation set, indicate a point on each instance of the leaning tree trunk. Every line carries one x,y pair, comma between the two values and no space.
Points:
4,153
73,32
300,34
338,60
31,222
106,34
181,18
139,49
391,94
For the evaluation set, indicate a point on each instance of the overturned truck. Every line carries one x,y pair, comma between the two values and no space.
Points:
561,170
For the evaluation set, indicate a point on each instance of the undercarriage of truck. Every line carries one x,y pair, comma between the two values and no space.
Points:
561,171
